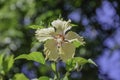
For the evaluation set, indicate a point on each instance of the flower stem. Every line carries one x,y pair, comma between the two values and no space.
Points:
57,73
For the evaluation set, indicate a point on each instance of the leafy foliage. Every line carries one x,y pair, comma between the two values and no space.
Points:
6,63
76,62
44,78
34,56
65,78
20,76
36,27
77,43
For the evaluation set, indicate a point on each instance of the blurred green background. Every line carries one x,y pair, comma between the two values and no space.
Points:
97,21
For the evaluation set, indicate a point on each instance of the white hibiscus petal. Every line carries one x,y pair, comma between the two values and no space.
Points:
50,50
44,34
61,26
67,26
68,51
74,37
57,23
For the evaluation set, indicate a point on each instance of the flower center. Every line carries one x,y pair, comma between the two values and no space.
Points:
59,39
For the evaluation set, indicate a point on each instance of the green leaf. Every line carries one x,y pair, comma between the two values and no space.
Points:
34,56
1,59
76,43
44,78
1,64
36,27
76,62
8,63
65,78
92,62
53,66
20,76
73,25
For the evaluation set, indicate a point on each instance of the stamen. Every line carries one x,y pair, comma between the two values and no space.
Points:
59,39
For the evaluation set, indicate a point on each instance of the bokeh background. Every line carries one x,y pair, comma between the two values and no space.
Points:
98,21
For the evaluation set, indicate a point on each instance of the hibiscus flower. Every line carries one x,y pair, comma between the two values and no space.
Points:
59,40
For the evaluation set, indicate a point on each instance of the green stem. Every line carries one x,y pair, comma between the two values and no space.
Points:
67,74
56,72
